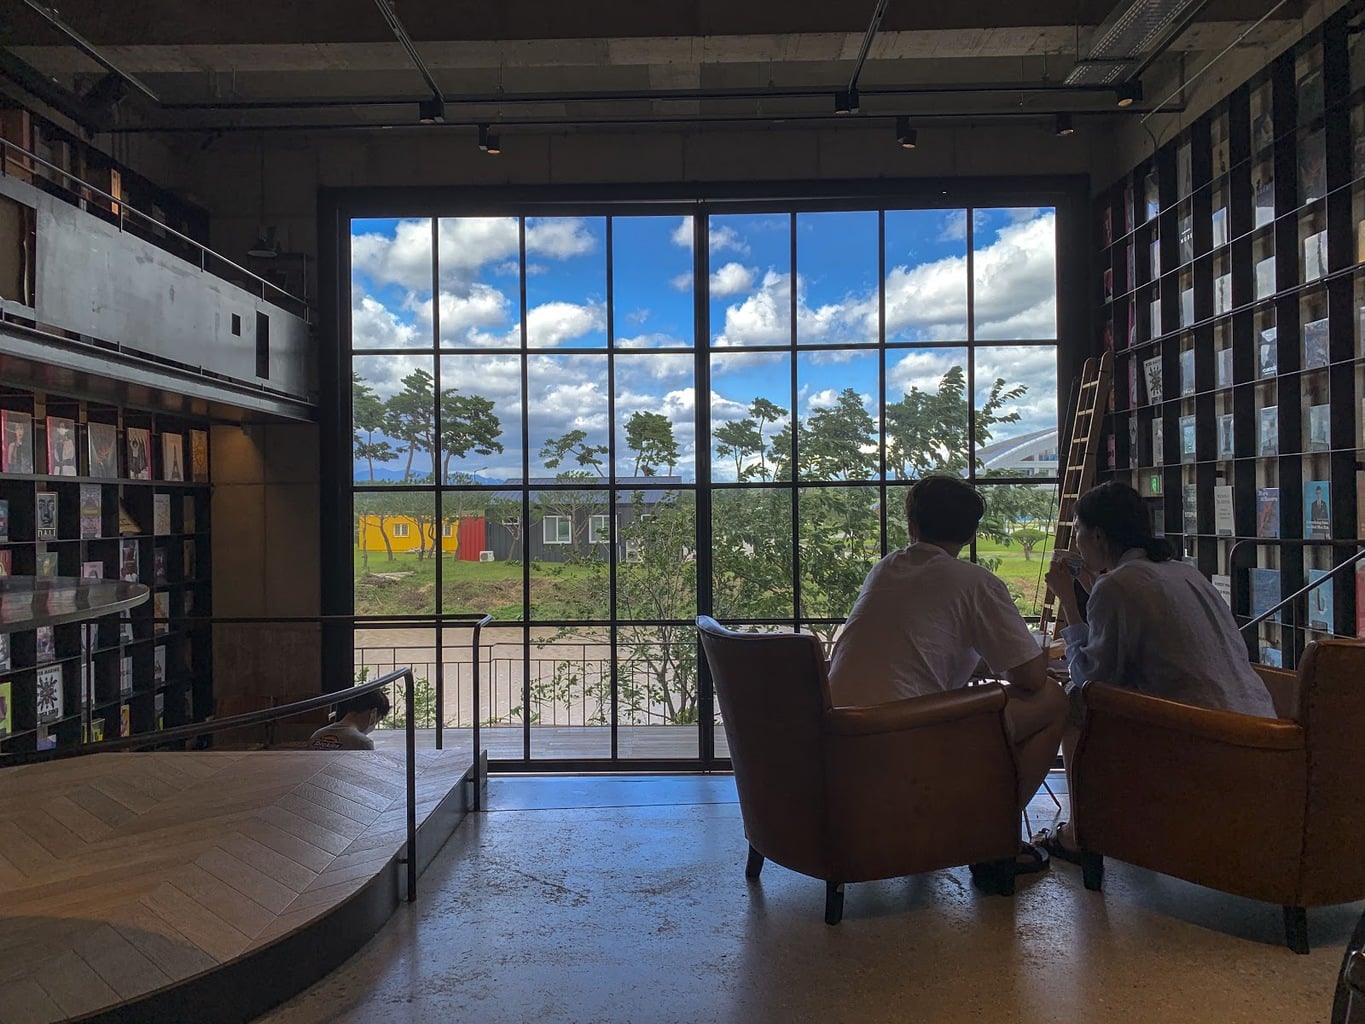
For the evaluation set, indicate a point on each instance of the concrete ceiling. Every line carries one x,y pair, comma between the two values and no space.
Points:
255,64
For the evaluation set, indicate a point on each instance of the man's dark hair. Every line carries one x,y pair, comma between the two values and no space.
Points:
944,509
376,699
1118,510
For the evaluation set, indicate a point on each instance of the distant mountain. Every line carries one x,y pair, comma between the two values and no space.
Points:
388,475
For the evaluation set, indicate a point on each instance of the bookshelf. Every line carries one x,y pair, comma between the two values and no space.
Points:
91,489
1232,292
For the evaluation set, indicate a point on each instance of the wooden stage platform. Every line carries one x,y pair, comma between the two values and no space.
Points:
201,886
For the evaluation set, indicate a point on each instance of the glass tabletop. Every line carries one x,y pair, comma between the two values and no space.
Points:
27,602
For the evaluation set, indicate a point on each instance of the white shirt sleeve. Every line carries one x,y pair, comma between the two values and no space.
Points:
999,632
1093,648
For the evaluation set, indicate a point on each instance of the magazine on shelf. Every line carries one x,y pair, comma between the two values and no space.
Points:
1267,511
1269,353
128,561
1108,283
1187,439
1315,344
1320,601
62,459
1187,372
1223,584
1312,168
125,675
6,701
1154,319
45,564
172,457
1265,278
1185,234
1314,256
1319,428
1186,307
1222,293
4,659
159,664
92,570
49,700
6,562
1317,509
17,428
125,720
1265,592
139,453
1220,226
1151,369
161,513
1154,255
4,521
159,564
97,730
161,611
1263,196
1223,523
1158,441
90,511
46,515
102,443
1189,508
199,453
44,644
1225,436
1269,423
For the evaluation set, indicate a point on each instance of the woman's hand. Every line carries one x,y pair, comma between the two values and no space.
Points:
1059,578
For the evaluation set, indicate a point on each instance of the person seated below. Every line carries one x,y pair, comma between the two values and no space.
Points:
356,718
1152,624
925,621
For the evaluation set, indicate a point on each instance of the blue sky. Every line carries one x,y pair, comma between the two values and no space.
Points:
751,281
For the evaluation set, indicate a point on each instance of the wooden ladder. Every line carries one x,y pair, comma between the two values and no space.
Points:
1079,474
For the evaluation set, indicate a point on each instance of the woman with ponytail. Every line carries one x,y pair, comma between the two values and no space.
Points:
1152,623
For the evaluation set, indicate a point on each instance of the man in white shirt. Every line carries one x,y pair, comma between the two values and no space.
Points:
356,719
925,621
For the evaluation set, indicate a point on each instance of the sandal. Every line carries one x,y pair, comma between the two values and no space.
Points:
1038,857
1050,839
999,875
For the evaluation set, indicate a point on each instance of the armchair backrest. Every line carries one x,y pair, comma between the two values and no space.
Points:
1332,713
773,692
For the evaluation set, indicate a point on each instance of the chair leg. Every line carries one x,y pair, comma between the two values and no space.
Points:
1296,929
1052,794
994,876
834,902
755,864
1092,870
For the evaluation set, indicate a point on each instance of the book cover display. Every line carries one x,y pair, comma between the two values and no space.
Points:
1223,584
1315,344
1320,601
1158,441
1225,436
45,564
17,428
1187,372
1223,522
1224,364
102,442
1269,423
1187,439
61,447
1151,369
4,521
6,707
90,511
1317,509
199,455
1265,592
1267,511
45,517
161,513
172,457
49,694
139,453
1269,361
1189,508
44,644
1319,428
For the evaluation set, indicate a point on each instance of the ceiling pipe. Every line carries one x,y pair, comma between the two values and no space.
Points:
1185,22
663,95
404,40
1004,114
86,47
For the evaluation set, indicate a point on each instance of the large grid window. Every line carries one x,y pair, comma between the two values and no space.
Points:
519,383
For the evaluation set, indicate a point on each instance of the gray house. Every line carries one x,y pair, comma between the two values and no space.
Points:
570,518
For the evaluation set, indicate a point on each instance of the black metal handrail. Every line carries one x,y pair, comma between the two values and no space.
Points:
30,160
1276,542
298,707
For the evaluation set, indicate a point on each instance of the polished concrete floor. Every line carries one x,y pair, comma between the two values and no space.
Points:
623,899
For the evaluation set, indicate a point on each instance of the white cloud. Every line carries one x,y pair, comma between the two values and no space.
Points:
681,283
720,238
1016,282
373,325
554,323
651,339
764,318
731,279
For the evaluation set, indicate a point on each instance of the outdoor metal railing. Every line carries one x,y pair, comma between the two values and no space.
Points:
118,211
193,731
1250,544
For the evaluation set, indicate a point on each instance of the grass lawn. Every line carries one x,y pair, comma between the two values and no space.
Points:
407,585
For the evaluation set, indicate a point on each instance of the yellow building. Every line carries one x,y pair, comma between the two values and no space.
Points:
404,533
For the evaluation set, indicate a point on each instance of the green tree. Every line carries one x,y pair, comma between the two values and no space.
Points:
410,418
468,424
926,432
650,436
839,443
739,440
575,443
367,413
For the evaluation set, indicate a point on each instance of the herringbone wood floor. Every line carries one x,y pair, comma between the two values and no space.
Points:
123,873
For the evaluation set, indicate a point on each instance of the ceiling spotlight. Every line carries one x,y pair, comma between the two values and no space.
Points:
488,142
846,102
432,111
1128,93
905,135
1063,125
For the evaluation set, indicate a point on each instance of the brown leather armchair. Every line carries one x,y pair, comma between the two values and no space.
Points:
1265,808
856,794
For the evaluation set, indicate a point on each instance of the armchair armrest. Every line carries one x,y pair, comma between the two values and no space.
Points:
915,712
1226,727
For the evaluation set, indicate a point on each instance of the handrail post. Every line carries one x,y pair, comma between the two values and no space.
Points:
440,684
477,801
410,707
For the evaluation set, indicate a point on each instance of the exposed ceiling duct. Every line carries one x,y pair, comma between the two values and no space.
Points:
1132,30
